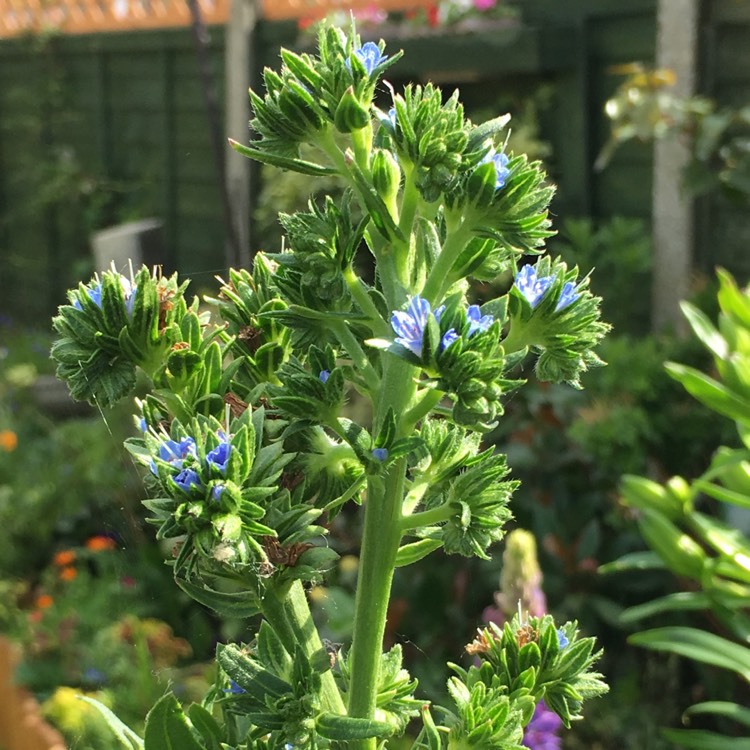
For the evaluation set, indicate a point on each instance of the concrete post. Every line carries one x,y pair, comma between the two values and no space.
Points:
243,16
673,212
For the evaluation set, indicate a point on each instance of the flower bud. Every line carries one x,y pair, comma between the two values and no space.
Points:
386,175
350,114
481,187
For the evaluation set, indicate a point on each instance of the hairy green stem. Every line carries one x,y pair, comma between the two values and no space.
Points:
439,279
380,542
359,294
291,619
357,354
421,409
426,518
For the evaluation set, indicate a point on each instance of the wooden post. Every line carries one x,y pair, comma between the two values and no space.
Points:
243,16
673,211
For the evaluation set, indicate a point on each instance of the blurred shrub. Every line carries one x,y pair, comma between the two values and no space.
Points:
699,532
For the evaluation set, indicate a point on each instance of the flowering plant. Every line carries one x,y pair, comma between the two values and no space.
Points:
247,449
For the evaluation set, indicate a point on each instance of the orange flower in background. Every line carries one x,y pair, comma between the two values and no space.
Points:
8,440
68,573
100,543
44,601
64,557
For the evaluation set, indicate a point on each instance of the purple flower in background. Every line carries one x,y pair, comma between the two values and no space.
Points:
567,297
219,456
532,286
409,325
370,56
501,166
542,731
484,4
478,322
186,479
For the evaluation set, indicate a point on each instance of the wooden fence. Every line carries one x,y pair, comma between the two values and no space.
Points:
96,16
126,120
21,725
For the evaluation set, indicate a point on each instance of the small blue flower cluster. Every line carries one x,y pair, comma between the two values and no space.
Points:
534,288
176,452
409,324
95,295
370,56
501,166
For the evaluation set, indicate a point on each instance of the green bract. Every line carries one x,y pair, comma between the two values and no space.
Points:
350,367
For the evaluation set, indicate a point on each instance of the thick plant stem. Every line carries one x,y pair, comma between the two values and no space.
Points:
291,619
381,539
380,542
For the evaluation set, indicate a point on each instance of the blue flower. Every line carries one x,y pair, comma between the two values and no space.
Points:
324,375
567,297
174,452
217,492
409,325
130,291
531,286
501,166
234,688
186,479
478,322
448,338
562,639
370,56
94,676
380,454
219,456
94,293
142,425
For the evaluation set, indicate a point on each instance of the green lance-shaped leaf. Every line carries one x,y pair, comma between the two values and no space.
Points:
167,727
699,645
646,494
721,708
125,736
238,605
283,162
415,551
205,724
250,675
347,728
679,551
710,392
700,739
680,601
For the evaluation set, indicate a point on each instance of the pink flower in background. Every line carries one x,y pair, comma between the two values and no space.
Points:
484,4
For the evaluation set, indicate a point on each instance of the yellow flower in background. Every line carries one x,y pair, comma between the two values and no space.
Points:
8,440
73,715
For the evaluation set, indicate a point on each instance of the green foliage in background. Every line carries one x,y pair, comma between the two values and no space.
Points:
698,530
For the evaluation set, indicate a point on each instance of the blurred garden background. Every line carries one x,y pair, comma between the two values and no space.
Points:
117,116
